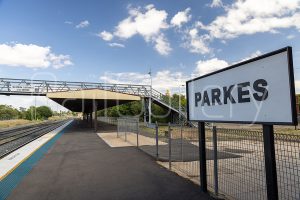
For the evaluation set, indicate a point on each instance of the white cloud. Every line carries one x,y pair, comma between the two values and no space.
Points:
83,24
107,36
165,79
208,66
289,37
162,45
196,43
114,44
59,61
31,56
214,64
68,22
149,7
162,80
216,3
125,77
253,55
245,17
147,22
181,18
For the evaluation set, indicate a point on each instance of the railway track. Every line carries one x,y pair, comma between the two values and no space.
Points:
13,139
22,127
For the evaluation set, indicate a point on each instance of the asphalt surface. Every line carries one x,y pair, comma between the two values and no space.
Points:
190,152
80,165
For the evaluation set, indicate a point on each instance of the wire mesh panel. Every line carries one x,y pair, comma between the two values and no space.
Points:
163,142
122,128
128,129
153,141
209,159
241,169
185,151
108,120
287,148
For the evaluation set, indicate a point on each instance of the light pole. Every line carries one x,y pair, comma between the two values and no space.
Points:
150,99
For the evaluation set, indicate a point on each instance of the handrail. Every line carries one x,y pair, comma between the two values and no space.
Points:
11,86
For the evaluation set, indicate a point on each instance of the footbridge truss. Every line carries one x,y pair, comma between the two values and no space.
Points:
9,86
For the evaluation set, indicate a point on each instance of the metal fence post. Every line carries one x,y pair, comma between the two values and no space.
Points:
137,134
156,139
215,146
126,129
170,148
181,142
118,127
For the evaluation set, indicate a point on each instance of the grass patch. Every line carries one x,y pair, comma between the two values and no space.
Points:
56,118
15,122
161,130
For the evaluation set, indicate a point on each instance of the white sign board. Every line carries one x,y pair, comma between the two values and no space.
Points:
260,90
19,88
24,89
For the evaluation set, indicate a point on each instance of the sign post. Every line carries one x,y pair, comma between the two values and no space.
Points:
257,91
270,162
202,156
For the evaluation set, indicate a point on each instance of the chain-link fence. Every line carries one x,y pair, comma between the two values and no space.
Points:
234,157
109,120
241,168
287,147
128,129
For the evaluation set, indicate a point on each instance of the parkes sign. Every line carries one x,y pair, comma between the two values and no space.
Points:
260,90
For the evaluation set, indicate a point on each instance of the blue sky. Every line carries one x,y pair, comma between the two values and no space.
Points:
118,41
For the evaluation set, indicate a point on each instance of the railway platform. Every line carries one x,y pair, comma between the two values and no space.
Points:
80,165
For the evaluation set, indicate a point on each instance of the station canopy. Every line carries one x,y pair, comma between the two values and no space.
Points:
83,100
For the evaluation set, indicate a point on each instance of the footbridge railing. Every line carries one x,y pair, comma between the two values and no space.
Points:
9,86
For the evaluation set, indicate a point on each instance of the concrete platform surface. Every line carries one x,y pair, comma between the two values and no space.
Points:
14,159
81,165
131,139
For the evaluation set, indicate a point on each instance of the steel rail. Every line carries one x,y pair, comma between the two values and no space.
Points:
39,133
20,134
3,133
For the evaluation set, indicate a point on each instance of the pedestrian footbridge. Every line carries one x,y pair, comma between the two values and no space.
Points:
88,97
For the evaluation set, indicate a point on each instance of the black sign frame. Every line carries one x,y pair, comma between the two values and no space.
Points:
287,49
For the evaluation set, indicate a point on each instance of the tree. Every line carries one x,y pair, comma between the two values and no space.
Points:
8,112
22,113
30,113
175,101
168,94
135,108
44,112
160,114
